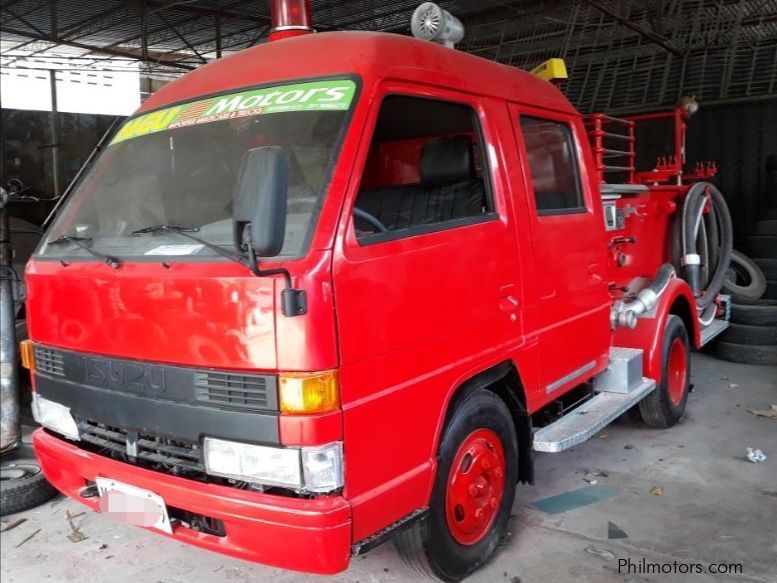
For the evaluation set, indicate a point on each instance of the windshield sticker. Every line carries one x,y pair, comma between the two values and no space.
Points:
314,96
175,250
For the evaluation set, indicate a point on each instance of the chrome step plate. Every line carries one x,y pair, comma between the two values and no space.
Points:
623,373
591,417
709,332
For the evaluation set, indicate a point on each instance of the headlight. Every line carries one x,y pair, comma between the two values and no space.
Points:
275,466
322,467
313,469
54,416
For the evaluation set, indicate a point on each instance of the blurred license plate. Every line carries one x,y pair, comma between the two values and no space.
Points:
133,505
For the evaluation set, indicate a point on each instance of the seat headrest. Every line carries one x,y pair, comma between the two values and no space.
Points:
447,160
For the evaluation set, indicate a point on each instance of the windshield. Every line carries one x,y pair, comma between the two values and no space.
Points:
178,166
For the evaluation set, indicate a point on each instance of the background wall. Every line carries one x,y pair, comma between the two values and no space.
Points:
740,138
26,151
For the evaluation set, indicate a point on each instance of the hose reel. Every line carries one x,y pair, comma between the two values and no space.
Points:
702,249
706,239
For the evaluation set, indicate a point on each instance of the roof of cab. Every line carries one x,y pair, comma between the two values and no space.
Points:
372,56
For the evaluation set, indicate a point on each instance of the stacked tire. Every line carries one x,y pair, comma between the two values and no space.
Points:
751,338
763,249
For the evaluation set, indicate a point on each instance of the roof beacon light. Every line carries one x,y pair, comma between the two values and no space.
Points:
430,22
290,18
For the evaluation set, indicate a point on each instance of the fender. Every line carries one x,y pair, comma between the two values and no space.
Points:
484,376
677,299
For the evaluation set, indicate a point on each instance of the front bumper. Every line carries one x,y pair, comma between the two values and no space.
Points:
299,534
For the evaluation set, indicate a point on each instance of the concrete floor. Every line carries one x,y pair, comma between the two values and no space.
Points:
715,507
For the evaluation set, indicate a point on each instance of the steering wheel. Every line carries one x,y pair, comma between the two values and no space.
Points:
371,219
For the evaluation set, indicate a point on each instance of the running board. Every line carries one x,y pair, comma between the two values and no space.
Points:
589,418
708,333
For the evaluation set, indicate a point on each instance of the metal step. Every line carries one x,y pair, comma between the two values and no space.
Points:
715,327
585,421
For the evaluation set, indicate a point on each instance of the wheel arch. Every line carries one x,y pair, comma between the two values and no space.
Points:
676,300
683,308
504,380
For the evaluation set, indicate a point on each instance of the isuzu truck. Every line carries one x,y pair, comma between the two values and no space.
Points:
340,287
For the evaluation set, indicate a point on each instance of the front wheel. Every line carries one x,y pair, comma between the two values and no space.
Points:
473,492
666,404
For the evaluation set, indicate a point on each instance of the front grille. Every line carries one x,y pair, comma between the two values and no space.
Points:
232,390
171,456
49,361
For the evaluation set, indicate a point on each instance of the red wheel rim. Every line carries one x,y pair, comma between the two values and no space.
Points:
677,371
475,487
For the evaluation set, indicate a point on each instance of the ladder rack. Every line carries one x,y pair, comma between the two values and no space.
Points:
612,142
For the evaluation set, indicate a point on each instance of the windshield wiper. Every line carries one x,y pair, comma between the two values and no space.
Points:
164,229
187,232
83,242
293,301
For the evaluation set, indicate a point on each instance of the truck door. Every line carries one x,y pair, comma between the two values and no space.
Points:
569,295
427,288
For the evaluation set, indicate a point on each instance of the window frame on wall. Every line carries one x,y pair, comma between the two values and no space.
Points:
480,159
571,142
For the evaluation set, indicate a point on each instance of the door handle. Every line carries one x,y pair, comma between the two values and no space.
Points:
507,300
594,273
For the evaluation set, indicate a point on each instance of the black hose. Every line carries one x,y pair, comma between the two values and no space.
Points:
703,244
691,220
712,226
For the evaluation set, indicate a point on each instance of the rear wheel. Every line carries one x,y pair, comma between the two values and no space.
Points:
666,404
473,492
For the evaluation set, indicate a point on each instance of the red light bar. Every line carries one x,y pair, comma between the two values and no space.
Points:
290,18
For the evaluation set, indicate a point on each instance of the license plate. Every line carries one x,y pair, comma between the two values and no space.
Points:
133,505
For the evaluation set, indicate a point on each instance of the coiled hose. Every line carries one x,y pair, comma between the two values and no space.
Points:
701,251
716,243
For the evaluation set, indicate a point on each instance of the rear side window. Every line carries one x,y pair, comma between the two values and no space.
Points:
553,164
424,171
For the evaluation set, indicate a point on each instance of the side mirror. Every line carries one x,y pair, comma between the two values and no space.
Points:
259,209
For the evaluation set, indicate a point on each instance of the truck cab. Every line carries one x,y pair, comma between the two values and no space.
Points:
295,382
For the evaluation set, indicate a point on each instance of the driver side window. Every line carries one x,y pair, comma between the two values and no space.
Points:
424,171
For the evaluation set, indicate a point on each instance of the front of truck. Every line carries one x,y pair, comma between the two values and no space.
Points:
174,389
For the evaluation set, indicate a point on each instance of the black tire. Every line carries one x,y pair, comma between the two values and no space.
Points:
658,409
758,313
22,484
754,335
746,353
767,227
771,290
760,302
763,246
748,281
429,547
768,266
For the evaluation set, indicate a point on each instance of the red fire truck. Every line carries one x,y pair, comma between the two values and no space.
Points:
337,288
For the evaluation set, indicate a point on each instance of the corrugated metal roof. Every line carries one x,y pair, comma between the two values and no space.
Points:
621,54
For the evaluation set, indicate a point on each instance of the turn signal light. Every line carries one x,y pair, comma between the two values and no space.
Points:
27,353
307,393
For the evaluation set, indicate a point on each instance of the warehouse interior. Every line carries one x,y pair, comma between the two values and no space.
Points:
72,72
